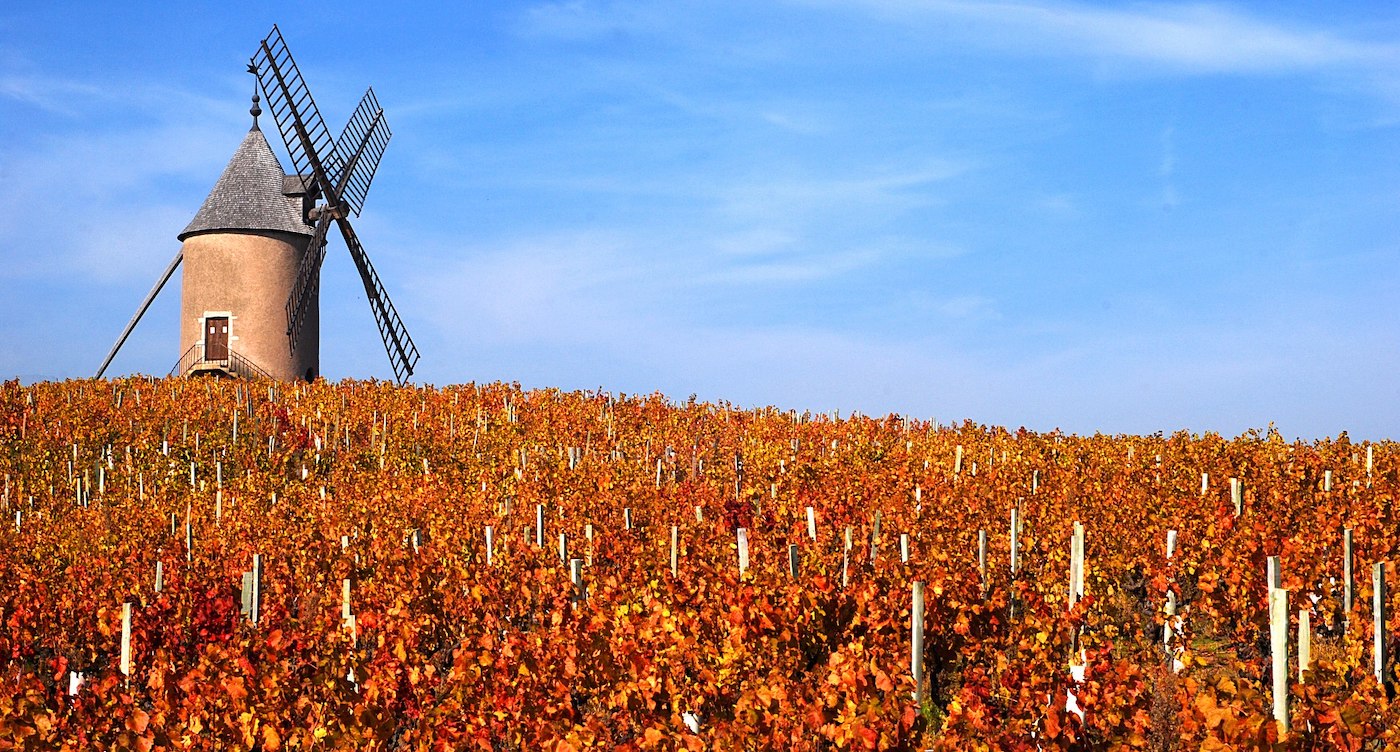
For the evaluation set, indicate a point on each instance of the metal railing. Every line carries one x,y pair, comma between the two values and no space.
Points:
234,364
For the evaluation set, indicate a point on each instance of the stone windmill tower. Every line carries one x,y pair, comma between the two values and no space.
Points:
253,252
241,252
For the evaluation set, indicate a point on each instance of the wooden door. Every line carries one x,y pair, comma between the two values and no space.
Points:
216,338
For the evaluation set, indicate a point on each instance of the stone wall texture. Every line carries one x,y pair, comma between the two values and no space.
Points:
249,276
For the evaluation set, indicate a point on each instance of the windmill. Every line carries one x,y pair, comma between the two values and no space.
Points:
253,254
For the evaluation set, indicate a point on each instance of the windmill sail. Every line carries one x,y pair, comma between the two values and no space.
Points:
298,120
361,145
343,170
308,278
403,354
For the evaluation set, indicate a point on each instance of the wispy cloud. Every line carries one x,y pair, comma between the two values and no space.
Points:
1167,169
869,193
100,205
52,95
96,200
578,20
1061,205
793,268
580,311
1193,37
562,287
968,307
1196,37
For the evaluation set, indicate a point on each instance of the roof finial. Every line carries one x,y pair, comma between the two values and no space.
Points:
255,110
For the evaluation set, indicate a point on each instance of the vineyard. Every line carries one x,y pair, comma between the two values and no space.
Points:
207,564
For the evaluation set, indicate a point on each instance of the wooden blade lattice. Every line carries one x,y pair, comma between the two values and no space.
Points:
308,279
298,120
403,354
361,144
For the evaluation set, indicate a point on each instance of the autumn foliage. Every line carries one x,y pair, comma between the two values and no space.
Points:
393,488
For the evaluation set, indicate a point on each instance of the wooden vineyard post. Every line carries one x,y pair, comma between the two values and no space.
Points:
1076,565
916,641
792,560
1378,618
875,539
1015,557
811,523
345,602
126,641
256,581
957,460
588,534
539,526
160,576
576,576
982,559
1035,481
1237,496
1274,574
627,518
904,548
738,474
245,592
1205,483
1015,540
1077,576
563,548
675,549
1278,643
1171,629
699,514
846,560
490,543
1347,580
743,543
1304,643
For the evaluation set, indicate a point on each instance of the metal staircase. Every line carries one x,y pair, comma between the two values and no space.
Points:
193,363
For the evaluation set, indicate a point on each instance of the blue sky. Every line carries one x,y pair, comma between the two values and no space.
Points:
1100,217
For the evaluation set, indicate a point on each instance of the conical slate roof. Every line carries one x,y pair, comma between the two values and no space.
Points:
250,195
